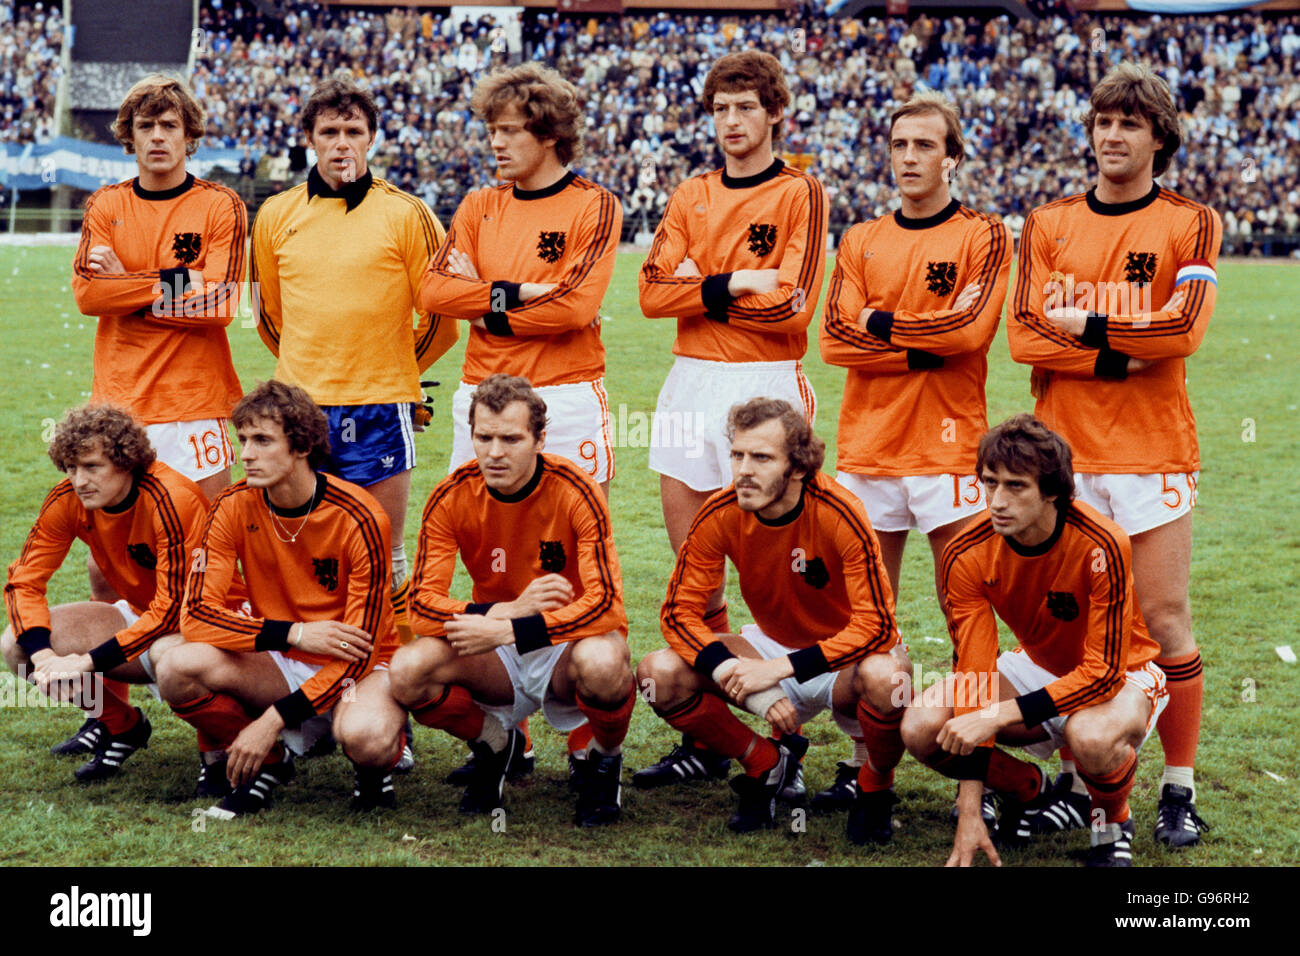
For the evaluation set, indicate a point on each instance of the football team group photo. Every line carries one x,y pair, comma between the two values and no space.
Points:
374,510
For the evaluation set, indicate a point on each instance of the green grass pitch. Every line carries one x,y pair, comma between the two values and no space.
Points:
1245,599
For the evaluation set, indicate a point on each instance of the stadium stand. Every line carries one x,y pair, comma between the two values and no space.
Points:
1021,86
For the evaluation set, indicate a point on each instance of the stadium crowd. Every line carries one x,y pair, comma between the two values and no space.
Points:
1021,87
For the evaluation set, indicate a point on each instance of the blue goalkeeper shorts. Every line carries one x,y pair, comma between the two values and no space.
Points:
369,443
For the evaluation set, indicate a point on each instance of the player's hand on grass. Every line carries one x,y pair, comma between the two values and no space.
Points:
688,269
972,836
332,639
244,758
963,733
542,594
104,261
472,634
531,290
968,297
753,282
750,675
782,717
460,264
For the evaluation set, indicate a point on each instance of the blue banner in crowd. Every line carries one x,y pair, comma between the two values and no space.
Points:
1189,6
64,161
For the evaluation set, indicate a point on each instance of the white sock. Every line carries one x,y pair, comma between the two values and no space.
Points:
1182,776
494,733
399,565
859,752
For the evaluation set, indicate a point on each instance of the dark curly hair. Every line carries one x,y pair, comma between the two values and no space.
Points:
304,424
805,450
342,97
107,428
745,71
1023,445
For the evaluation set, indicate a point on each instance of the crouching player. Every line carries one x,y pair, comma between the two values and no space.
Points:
825,636
1059,575
546,628
139,519
315,552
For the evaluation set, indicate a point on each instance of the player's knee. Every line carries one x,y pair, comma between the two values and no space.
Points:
414,666
15,657
1094,741
365,743
659,677
920,729
1170,624
602,664
180,671
882,682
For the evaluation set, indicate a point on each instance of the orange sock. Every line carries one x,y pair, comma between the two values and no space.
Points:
1110,791
116,712
716,620
217,717
1180,724
711,723
453,711
579,738
528,740
1011,775
608,725
884,747
401,612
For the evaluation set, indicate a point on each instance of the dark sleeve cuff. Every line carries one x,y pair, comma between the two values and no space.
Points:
716,298
808,662
881,324
296,709
478,608
512,300
1111,365
173,279
1094,331
34,639
107,656
496,323
713,654
274,636
530,633
1037,706
919,360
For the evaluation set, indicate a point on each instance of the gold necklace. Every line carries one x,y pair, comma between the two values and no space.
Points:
275,521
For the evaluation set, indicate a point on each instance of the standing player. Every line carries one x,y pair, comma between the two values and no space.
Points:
140,519
527,263
546,628
533,303
315,551
913,305
824,635
159,265
1058,574
1110,374
738,260
337,263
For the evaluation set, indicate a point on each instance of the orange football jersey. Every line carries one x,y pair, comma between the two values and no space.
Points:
162,357
914,396
813,580
1123,262
566,234
776,219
